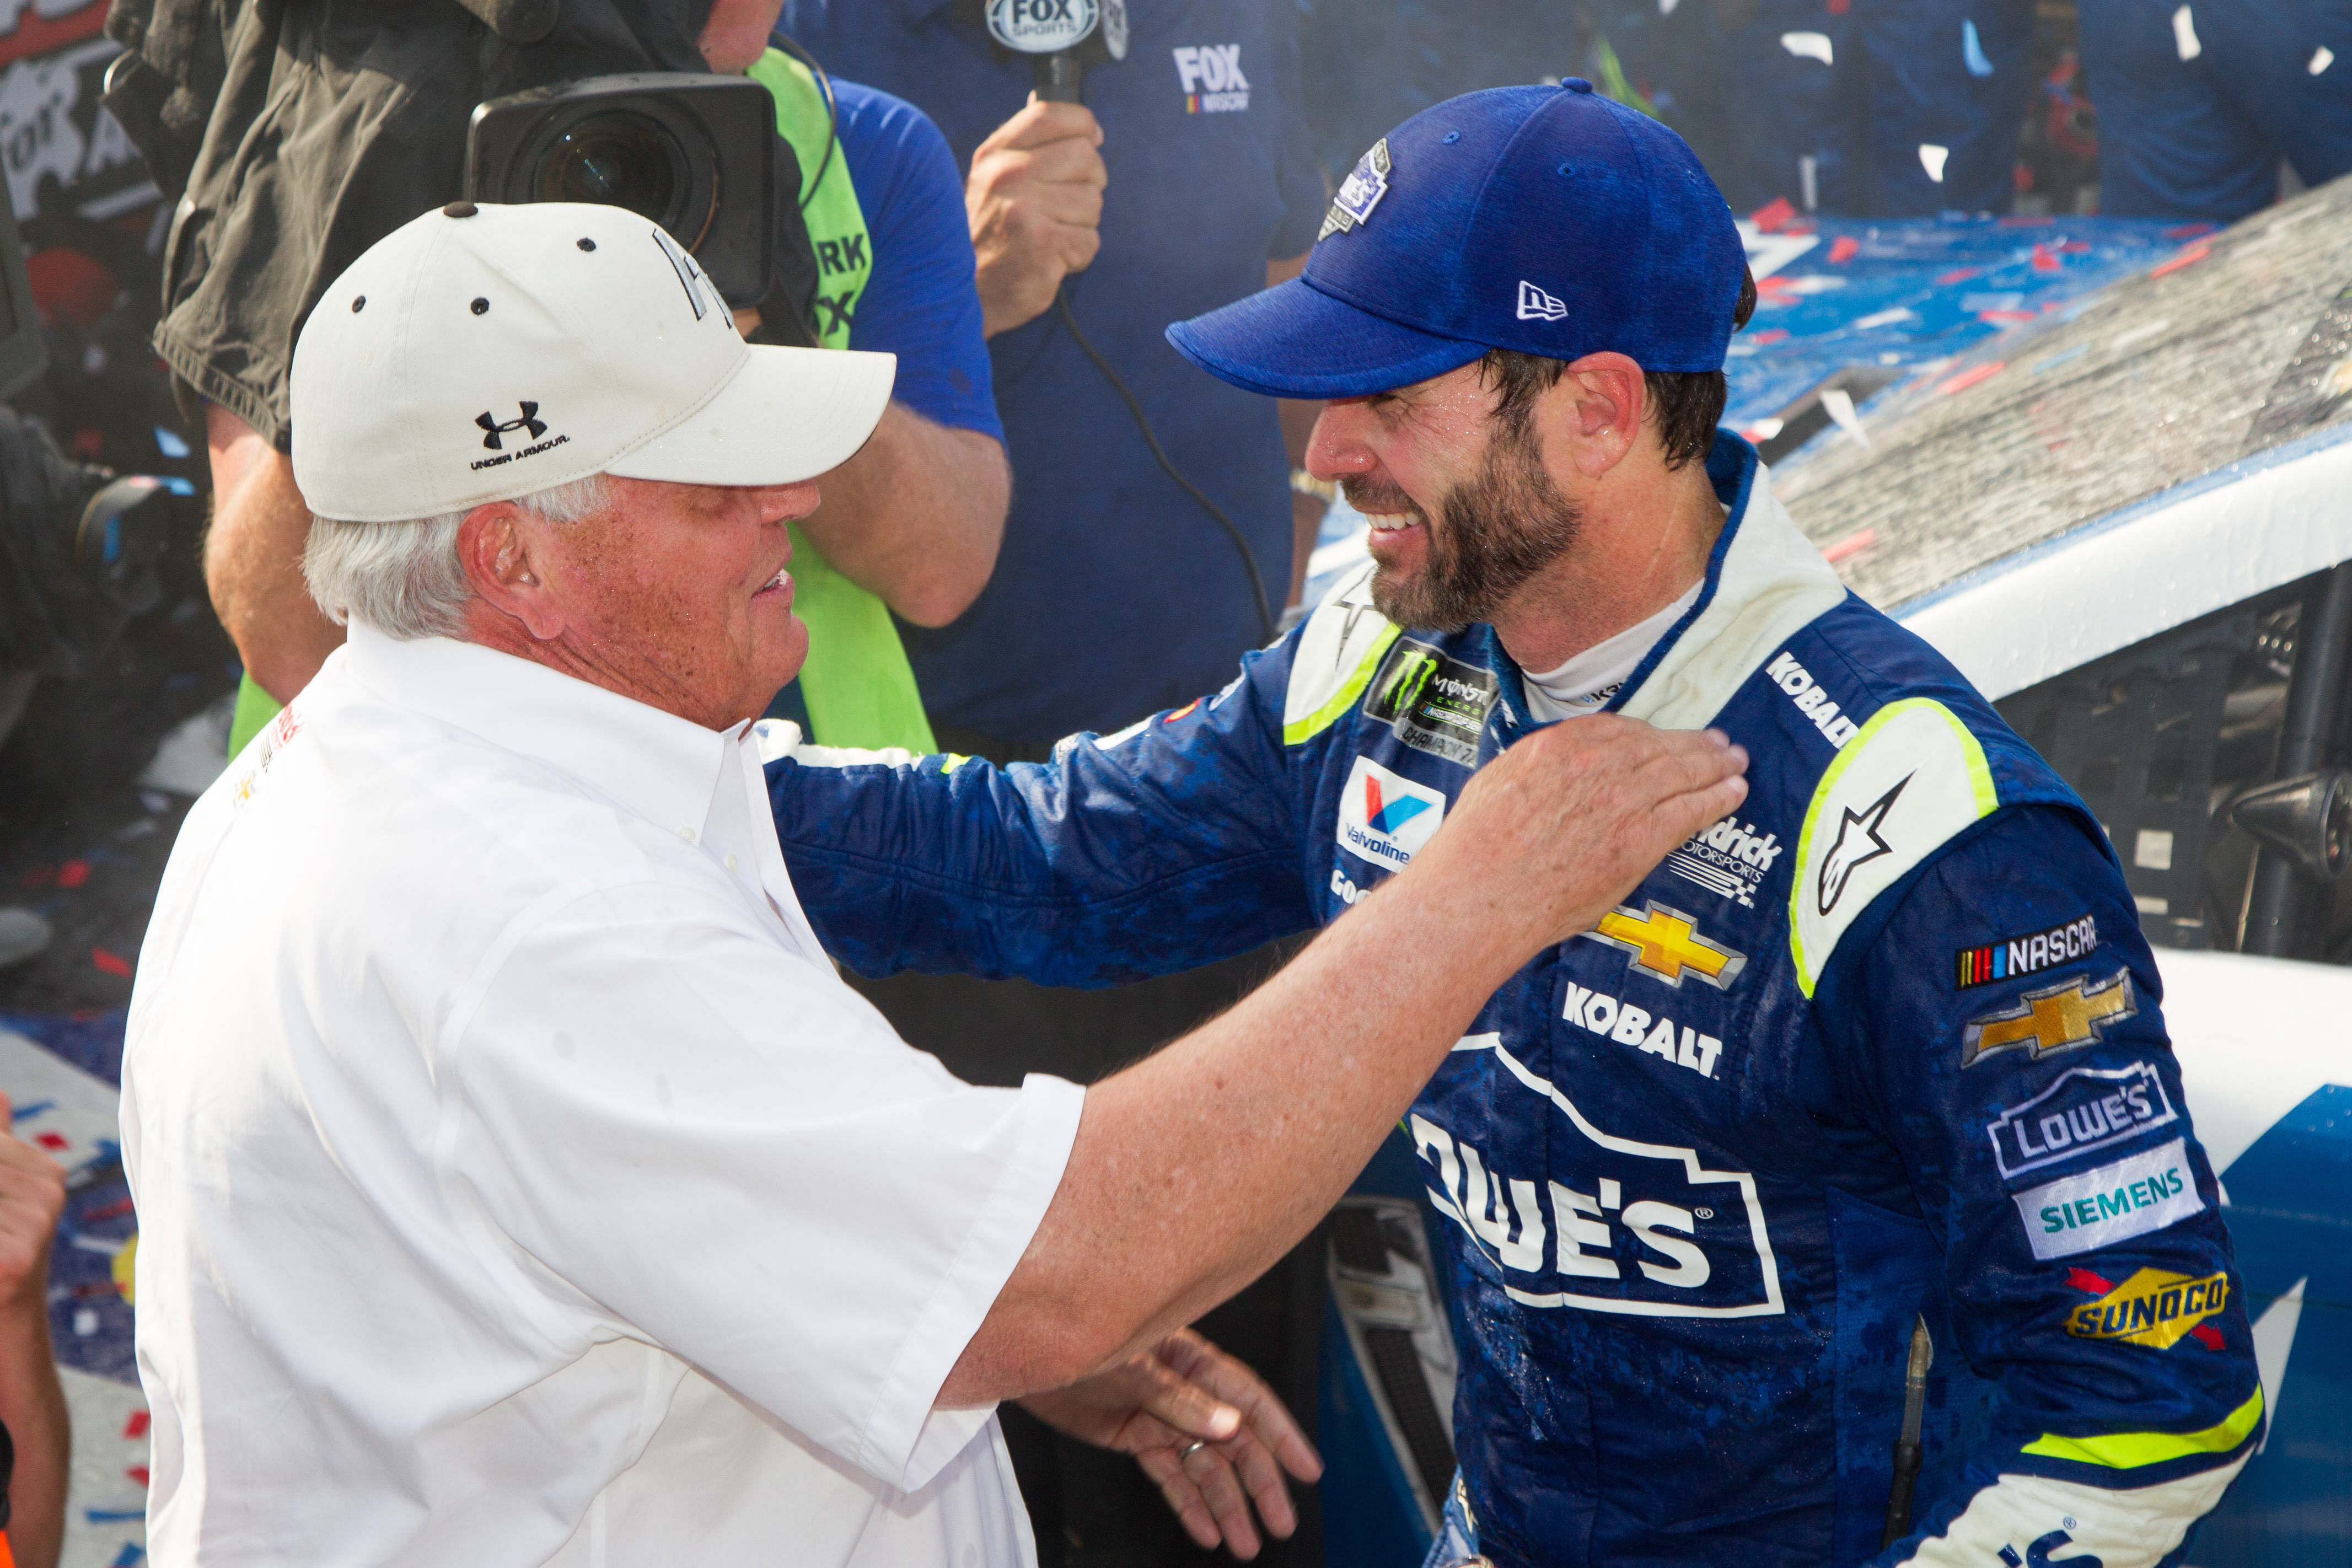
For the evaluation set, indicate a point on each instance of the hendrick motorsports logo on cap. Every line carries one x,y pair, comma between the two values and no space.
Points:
1361,192
1043,27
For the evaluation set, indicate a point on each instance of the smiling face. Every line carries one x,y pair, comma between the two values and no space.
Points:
1462,508
676,594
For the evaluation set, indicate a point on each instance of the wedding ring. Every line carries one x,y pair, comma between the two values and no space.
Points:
1191,1448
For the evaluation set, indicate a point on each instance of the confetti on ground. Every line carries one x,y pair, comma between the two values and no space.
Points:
111,962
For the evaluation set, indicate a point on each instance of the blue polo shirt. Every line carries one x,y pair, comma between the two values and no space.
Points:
1115,593
919,302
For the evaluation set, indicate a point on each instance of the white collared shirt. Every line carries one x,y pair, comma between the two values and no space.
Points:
518,1183
1586,682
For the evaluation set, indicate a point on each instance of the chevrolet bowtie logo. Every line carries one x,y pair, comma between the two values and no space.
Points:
2056,1019
1666,945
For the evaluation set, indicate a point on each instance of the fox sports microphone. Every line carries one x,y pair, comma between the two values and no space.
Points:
1053,31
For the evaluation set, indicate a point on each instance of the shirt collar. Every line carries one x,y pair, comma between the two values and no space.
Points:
657,765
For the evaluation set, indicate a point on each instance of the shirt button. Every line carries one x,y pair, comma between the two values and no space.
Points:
730,862
687,833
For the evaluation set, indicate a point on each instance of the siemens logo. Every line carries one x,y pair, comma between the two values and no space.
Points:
2131,1197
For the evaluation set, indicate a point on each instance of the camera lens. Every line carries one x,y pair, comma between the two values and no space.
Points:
617,159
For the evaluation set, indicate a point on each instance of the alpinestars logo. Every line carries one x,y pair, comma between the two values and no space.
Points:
1858,842
1535,305
1385,817
528,420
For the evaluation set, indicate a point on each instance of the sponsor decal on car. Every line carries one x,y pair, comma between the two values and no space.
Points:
1666,945
2153,1308
2088,1109
1384,817
2136,1194
2055,1018
2014,957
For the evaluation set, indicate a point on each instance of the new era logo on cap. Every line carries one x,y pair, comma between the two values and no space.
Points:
1535,305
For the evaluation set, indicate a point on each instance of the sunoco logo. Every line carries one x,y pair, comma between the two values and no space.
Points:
1041,26
2152,1308
1385,817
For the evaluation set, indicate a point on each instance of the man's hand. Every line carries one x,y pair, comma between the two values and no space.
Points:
32,1196
1564,824
32,1402
1183,1389
1034,197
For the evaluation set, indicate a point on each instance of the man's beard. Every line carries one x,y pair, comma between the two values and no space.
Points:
1487,537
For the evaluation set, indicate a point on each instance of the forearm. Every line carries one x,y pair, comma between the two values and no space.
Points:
32,1407
1197,1168
253,561
917,516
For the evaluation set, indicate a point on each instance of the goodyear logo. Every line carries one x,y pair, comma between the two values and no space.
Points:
2152,1308
1666,945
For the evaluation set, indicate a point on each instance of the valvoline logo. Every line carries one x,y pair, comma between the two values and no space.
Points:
1385,817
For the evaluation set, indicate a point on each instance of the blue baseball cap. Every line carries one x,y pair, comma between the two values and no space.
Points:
1548,220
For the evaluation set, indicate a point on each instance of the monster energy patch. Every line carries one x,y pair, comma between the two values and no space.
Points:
1431,702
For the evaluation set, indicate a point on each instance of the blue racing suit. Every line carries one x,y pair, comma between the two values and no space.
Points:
1885,1046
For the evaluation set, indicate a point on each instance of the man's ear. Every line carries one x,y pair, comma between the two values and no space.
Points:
1601,404
496,545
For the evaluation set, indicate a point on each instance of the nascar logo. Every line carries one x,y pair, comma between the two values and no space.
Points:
2016,956
2152,1308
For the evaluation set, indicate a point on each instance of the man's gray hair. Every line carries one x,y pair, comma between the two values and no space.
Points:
404,578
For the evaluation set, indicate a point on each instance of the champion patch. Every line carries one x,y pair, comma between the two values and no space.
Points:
1359,192
2014,957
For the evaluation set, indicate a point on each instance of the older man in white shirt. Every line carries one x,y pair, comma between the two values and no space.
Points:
518,1182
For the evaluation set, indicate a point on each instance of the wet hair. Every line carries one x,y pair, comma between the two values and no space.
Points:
1686,406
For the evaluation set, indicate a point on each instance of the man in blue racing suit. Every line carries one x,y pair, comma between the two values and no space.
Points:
1883,1048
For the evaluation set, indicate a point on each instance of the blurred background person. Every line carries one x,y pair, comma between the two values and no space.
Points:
2200,103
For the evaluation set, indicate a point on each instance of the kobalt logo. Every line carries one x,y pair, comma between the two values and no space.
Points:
1630,1026
1041,26
1730,859
1385,817
1792,677
1212,79
1616,1225
2086,1109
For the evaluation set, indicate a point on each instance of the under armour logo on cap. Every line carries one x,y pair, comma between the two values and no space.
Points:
1535,305
488,422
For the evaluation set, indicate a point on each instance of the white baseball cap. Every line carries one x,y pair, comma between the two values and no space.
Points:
482,353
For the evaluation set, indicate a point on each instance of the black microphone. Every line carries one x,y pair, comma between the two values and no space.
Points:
1053,31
